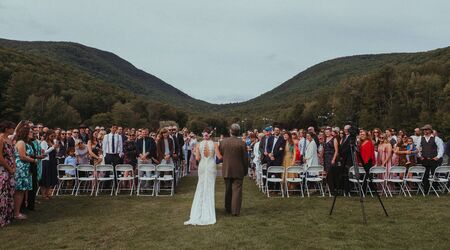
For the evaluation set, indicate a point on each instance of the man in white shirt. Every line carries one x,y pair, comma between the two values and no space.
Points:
416,137
112,147
440,145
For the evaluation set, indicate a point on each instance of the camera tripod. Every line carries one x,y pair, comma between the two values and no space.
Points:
354,152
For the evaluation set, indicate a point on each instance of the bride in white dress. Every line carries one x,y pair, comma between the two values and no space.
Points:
203,210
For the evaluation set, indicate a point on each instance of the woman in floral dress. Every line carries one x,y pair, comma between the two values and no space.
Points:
7,169
23,178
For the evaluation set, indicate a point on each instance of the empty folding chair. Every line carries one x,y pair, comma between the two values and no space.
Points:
66,174
353,179
441,178
415,178
297,172
146,175
396,176
85,173
377,176
124,174
314,175
104,174
167,171
274,176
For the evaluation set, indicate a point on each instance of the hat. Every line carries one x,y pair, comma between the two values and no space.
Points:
427,127
268,129
97,128
83,126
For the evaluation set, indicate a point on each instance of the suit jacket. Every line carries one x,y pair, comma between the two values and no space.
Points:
160,148
262,146
345,153
235,158
70,142
278,151
150,147
179,142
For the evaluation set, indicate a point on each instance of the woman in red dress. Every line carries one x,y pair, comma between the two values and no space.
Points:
367,152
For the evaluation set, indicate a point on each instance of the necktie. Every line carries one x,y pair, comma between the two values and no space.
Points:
143,146
113,145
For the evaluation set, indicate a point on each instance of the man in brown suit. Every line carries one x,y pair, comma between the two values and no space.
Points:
234,168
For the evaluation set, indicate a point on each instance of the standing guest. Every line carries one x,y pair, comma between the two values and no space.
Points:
297,149
367,153
187,150
320,147
49,172
447,151
440,144
146,148
277,151
165,148
314,135
193,144
346,158
69,139
331,152
401,151
431,153
385,153
130,151
122,134
7,171
62,147
417,137
84,135
94,151
81,151
112,147
35,170
311,156
257,157
22,175
390,134
289,156
266,145
302,144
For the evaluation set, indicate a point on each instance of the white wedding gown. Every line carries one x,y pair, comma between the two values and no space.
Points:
203,210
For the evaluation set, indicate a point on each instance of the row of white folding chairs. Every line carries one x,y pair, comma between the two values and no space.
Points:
120,175
404,178
302,175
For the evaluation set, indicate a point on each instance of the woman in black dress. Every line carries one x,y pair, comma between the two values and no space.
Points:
330,153
49,163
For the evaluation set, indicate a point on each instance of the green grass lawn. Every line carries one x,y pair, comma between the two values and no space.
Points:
265,223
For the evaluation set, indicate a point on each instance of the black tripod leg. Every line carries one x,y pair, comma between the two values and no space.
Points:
334,202
361,201
379,198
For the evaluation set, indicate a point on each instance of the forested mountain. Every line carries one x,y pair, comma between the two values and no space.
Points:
83,84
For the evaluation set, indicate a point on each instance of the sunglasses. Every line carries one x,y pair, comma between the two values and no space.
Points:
63,133
75,132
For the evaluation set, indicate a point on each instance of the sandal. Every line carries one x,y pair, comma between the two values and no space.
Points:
20,217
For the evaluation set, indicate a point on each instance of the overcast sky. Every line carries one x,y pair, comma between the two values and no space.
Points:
227,51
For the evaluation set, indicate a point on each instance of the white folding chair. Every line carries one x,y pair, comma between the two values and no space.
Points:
415,177
104,173
441,177
314,175
168,171
85,173
146,174
298,171
353,179
272,177
124,174
396,176
377,175
65,177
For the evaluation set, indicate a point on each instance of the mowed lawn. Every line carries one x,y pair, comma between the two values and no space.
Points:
126,222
